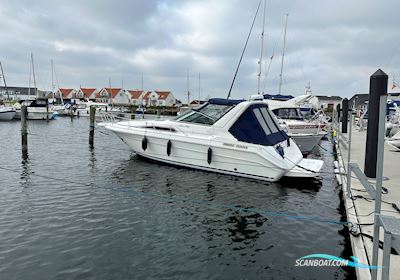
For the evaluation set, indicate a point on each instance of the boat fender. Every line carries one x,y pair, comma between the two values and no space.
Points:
144,143
169,146
288,141
209,155
280,151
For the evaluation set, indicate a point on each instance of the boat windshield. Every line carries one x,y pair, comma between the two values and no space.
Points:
207,114
288,113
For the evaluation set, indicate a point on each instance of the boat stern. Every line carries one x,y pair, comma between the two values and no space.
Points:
306,168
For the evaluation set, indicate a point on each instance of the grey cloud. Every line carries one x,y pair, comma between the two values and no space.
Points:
334,44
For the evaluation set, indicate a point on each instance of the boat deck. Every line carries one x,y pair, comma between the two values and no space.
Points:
361,210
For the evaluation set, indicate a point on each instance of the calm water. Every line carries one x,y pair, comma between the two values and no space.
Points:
105,214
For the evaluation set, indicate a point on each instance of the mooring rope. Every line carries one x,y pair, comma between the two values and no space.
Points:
195,201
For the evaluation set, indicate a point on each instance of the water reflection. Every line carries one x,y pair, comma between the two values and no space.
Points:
243,226
25,170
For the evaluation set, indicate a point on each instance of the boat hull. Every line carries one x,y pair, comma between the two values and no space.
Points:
224,159
307,141
7,115
34,115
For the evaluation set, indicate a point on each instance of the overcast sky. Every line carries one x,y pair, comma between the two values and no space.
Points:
336,45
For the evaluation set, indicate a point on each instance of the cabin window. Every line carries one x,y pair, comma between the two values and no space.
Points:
207,114
261,121
288,113
269,120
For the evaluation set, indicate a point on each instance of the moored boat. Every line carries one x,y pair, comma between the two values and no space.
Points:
7,113
235,137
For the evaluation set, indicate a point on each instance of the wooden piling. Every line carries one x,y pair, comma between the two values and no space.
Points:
91,127
47,109
24,130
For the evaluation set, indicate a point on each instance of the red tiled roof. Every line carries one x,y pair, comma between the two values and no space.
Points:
65,91
87,91
135,94
113,91
147,95
163,94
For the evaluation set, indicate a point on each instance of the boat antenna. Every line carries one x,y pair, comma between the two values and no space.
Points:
4,80
308,88
261,50
283,55
244,49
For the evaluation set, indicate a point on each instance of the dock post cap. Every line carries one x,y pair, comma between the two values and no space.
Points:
379,73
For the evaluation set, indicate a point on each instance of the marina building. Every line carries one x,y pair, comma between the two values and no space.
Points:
325,102
17,93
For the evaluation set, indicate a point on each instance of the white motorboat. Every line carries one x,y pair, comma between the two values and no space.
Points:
7,113
36,110
306,133
307,141
291,117
235,137
59,108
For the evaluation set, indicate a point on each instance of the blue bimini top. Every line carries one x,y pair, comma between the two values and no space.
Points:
224,101
257,126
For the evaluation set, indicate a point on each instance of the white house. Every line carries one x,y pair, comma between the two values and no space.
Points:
165,98
66,93
136,97
87,93
123,97
106,95
150,98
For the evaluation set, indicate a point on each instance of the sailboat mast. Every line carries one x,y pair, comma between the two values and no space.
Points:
34,77
187,85
283,54
52,78
261,50
30,77
199,89
4,80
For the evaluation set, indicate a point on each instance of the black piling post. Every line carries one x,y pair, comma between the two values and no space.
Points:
345,115
92,118
47,109
377,86
338,112
24,131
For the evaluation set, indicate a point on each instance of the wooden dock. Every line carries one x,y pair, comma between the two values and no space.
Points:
360,208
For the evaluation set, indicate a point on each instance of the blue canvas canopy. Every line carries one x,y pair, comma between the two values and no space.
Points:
257,126
278,97
224,101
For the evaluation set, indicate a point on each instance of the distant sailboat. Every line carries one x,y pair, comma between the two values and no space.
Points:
7,113
37,109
